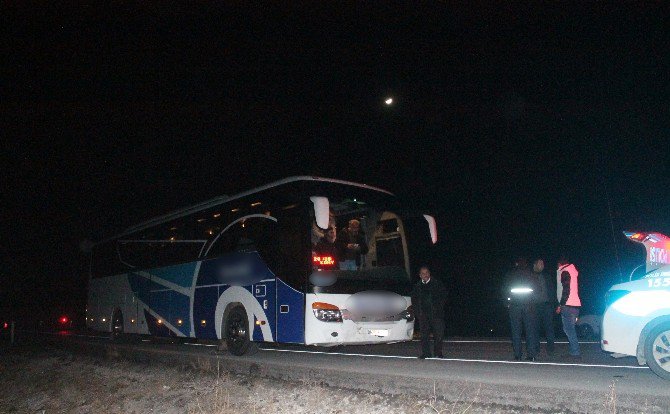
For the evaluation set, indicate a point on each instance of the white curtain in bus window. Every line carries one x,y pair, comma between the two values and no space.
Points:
389,242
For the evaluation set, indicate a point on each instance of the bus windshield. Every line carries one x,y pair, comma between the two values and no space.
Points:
363,248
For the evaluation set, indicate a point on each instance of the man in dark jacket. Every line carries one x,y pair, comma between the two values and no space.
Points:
328,244
428,300
545,305
352,245
521,288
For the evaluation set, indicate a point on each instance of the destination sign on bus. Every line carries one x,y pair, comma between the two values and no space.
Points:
323,260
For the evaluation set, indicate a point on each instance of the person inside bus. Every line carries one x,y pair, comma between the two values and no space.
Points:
317,233
327,244
352,245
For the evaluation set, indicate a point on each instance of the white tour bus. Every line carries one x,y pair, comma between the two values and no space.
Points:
253,268
637,317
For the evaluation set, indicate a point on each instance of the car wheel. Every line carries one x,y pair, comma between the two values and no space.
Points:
236,329
657,350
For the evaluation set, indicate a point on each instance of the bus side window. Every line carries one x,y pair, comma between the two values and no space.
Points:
226,242
252,234
258,235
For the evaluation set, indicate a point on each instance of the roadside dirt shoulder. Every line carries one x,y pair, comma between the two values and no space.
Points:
45,380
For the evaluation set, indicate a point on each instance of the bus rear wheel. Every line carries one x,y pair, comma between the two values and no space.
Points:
657,350
237,335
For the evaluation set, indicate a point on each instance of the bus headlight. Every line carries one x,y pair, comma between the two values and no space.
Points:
326,312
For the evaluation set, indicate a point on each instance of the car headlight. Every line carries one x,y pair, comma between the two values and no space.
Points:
614,295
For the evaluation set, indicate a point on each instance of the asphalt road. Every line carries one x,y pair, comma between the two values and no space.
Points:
473,369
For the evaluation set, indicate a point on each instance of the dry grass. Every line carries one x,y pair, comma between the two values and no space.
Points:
610,400
58,382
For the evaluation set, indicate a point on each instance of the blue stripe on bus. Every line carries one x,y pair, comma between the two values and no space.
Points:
204,306
291,324
173,306
155,328
236,269
181,274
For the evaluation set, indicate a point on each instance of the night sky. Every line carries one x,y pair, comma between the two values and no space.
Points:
534,131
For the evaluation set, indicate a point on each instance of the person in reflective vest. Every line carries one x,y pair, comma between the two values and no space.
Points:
567,293
521,287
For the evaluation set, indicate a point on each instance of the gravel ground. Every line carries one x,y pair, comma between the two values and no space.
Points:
55,381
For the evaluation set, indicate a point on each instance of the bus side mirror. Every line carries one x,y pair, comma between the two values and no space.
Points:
321,211
432,226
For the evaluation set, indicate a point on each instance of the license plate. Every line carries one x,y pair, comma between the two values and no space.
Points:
379,332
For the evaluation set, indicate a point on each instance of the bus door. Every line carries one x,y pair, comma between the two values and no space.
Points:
290,314
289,243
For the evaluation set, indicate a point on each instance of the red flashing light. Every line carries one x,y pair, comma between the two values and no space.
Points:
5,325
63,320
323,260
638,236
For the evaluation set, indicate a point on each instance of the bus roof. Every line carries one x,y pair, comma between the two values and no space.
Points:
224,199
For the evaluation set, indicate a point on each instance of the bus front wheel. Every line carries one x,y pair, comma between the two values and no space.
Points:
238,337
657,350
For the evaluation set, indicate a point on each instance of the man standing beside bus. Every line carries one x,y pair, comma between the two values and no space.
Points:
567,292
428,300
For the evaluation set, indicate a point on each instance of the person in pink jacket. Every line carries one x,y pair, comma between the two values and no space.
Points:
567,293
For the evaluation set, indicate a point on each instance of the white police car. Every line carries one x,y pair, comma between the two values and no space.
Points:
637,318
